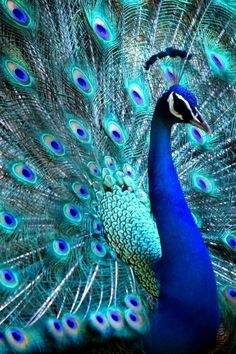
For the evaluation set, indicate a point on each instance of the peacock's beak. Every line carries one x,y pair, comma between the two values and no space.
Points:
200,122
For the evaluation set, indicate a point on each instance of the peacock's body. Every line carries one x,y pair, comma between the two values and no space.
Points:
82,262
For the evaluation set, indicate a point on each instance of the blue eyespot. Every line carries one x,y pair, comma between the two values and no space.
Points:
80,130
52,145
72,213
21,75
94,169
18,73
17,13
110,163
8,222
128,170
231,241
17,335
203,184
137,321
81,191
217,61
116,134
58,326
97,226
82,82
98,249
8,279
170,76
137,97
99,322
115,318
55,328
18,339
197,135
134,302
61,248
72,326
230,294
102,29
24,174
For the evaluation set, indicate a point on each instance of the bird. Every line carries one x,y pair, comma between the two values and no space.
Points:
117,174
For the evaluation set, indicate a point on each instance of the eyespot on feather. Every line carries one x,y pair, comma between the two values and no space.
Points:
102,29
18,13
100,324
8,279
17,339
24,174
80,130
98,249
72,213
8,222
52,145
61,248
85,83
94,169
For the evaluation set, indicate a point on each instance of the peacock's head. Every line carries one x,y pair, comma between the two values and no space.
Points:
183,107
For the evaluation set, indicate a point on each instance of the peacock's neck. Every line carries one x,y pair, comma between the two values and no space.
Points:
178,232
187,282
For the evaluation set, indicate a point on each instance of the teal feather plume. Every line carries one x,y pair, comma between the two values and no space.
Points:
77,234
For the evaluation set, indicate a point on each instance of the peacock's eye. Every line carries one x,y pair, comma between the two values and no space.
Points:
18,73
80,131
110,162
217,61
17,13
98,249
99,322
24,174
231,241
8,279
52,145
128,170
94,169
17,339
72,213
230,294
102,29
97,226
136,321
55,328
81,191
136,95
115,318
82,82
134,302
115,133
61,248
8,222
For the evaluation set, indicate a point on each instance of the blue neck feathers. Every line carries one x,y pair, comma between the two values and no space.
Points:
187,317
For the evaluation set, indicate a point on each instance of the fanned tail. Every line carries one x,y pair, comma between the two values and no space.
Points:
76,105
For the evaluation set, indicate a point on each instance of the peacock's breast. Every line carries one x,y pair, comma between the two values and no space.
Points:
131,232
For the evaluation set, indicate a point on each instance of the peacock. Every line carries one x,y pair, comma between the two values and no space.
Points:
117,175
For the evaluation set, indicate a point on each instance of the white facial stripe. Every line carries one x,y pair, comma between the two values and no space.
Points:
170,100
187,104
